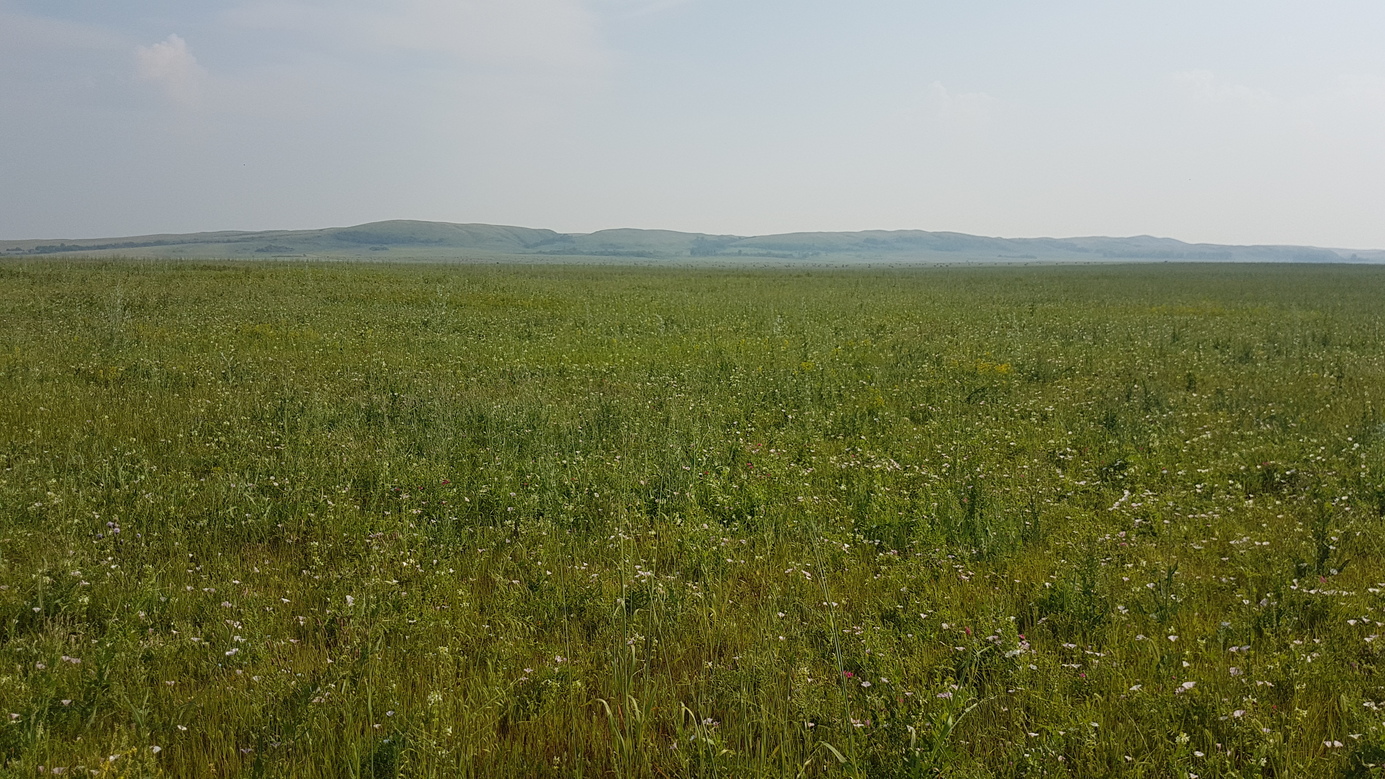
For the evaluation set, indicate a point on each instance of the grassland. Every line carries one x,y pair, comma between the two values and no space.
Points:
406,520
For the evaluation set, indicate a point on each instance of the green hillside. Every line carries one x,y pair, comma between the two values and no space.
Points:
419,240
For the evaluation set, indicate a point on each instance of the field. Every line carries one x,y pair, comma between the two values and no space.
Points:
329,520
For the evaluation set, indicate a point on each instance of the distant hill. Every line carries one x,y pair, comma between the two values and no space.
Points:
408,239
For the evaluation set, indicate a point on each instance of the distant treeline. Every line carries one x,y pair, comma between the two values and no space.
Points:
55,248
1162,255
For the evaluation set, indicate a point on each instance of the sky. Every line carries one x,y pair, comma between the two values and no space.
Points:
1228,121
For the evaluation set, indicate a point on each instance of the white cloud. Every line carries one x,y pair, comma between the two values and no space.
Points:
1206,87
1357,94
170,64
962,108
636,8
544,35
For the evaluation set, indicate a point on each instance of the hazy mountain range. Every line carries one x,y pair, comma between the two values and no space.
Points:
407,239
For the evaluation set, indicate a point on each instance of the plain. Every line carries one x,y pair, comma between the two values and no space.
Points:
276,519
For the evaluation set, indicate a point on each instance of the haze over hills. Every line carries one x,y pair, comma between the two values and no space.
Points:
408,239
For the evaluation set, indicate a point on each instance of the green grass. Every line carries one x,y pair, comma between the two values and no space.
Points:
410,520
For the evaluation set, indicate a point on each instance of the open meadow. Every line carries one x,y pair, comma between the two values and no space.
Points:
376,520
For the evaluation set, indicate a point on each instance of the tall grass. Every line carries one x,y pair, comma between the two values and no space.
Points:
340,520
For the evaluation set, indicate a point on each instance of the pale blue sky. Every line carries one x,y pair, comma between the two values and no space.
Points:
1236,122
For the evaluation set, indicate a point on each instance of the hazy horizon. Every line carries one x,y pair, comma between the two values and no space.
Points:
1239,123
320,228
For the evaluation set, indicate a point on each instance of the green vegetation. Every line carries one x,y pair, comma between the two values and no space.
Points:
406,520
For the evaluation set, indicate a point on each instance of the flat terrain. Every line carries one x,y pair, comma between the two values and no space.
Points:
327,520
